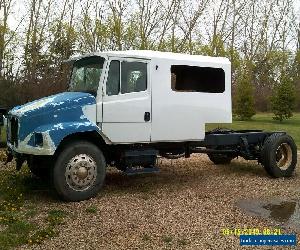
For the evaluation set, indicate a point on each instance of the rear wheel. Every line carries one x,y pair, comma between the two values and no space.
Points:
279,155
220,159
79,171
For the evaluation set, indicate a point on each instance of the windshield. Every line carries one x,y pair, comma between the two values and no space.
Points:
86,74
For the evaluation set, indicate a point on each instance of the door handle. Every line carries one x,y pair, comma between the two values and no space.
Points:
147,116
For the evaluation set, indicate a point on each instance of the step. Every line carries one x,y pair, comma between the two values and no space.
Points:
134,171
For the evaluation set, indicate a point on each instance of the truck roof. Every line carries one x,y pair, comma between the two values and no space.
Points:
150,54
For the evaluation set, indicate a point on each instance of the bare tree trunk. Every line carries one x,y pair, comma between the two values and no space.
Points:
118,8
5,6
298,38
189,24
148,20
168,21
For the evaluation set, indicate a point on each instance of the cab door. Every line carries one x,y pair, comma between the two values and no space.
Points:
127,101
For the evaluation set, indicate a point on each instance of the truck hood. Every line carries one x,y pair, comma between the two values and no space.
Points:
52,119
55,102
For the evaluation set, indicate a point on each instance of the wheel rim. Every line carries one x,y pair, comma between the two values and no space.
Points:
81,172
284,156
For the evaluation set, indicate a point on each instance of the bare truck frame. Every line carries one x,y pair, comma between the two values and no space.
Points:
125,108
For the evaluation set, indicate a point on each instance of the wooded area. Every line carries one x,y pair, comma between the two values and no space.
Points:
261,38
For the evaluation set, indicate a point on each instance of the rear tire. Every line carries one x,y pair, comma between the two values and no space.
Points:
220,159
279,155
79,171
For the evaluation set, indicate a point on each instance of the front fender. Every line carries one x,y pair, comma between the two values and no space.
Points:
45,139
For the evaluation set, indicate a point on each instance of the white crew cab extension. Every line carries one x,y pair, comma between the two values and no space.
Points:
125,108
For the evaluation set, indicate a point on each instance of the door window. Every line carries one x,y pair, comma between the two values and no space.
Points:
113,79
131,78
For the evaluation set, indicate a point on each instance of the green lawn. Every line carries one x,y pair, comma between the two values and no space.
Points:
265,121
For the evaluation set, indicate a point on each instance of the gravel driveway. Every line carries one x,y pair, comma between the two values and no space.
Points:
185,206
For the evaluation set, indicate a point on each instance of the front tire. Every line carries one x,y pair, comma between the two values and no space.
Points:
279,155
79,171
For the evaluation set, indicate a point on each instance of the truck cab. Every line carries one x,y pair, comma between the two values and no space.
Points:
150,92
122,108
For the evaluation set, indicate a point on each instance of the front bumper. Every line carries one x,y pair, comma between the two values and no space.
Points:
24,148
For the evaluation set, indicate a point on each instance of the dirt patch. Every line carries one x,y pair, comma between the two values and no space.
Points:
185,206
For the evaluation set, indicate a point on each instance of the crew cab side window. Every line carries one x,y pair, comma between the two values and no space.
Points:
113,79
186,78
126,77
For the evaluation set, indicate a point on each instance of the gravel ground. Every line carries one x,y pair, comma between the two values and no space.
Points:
185,206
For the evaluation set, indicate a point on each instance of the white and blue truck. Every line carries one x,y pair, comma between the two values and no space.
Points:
126,108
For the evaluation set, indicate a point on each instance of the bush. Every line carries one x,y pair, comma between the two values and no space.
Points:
244,100
283,100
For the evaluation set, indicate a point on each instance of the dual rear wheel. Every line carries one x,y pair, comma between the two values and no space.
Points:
278,155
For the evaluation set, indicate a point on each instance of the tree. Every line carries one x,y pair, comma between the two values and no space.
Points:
7,40
244,100
295,74
265,35
283,100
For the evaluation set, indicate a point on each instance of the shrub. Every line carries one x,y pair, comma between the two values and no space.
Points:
283,100
244,100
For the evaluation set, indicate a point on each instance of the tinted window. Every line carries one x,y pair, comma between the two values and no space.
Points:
197,79
133,77
113,80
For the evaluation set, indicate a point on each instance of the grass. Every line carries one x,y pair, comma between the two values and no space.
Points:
15,234
167,239
56,217
146,237
182,242
91,209
16,223
265,122
2,135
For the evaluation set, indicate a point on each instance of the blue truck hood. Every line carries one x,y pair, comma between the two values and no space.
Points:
53,118
55,102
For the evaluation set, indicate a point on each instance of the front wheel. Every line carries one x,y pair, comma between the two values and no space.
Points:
279,155
79,171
